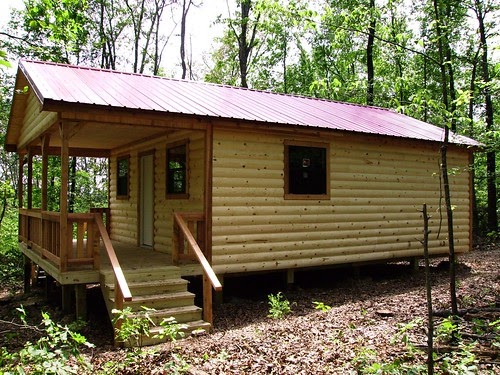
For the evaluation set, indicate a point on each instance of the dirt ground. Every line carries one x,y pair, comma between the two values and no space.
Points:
369,307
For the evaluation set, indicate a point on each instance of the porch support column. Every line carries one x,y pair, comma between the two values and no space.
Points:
30,180
45,170
207,285
81,301
20,198
29,203
20,180
28,268
63,200
67,298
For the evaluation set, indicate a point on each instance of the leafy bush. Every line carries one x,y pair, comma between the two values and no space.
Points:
321,306
11,266
279,306
171,329
133,326
57,351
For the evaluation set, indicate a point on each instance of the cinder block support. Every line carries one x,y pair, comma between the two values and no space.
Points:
49,285
67,292
356,272
219,296
290,277
414,264
81,301
28,268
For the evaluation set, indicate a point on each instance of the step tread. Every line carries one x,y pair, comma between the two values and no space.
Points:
159,269
164,282
173,311
156,297
192,325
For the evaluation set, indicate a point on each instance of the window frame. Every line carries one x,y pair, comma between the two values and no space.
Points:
287,194
185,194
118,192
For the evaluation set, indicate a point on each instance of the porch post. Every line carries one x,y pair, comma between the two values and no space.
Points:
27,269
27,262
30,180
63,200
207,286
45,170
20,179
29,205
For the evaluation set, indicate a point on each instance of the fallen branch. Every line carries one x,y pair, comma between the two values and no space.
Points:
17,327
483,352
462,312
487,337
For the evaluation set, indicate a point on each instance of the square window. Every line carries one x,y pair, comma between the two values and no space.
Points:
306,171
177,171
122,179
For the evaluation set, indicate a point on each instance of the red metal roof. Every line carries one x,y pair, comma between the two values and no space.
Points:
74,84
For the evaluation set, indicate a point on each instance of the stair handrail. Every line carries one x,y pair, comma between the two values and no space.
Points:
122,291
207,268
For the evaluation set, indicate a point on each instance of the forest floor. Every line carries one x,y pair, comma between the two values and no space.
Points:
376,322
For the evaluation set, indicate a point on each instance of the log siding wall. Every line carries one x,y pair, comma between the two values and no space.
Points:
377,189
125,212
35,120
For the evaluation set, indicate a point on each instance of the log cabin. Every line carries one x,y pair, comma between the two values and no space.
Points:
213,180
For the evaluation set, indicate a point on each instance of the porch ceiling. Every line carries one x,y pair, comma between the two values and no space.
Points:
103,137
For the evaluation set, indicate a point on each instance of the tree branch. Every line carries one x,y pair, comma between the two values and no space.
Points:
23,39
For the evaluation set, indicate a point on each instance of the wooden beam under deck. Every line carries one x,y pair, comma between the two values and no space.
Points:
70,277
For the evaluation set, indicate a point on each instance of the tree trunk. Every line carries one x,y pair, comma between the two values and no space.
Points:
428,284
369,55
245,45
475,212
488,104
185,9
244,51
442,46
137,16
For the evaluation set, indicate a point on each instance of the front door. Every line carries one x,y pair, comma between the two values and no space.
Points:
146,200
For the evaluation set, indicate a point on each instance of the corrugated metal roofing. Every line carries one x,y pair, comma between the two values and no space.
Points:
74,84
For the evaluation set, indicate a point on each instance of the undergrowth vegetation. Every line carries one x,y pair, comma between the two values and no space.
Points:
462,345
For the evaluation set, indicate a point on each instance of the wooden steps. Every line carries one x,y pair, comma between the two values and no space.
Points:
161,289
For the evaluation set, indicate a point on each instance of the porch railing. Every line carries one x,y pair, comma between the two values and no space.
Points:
186,246
122,291
41,231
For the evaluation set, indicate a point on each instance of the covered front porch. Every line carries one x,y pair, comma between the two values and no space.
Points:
129,275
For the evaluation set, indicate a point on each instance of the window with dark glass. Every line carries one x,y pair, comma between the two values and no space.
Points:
306,171
122,183
177,170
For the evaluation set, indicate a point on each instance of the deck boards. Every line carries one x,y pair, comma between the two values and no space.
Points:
135,257
130,257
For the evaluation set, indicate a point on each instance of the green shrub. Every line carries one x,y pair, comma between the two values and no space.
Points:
133,325
279,306
321,306
57,351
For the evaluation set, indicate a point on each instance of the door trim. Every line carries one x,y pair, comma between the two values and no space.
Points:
142,241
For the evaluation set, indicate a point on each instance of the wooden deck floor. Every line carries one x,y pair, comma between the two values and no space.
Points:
135,258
